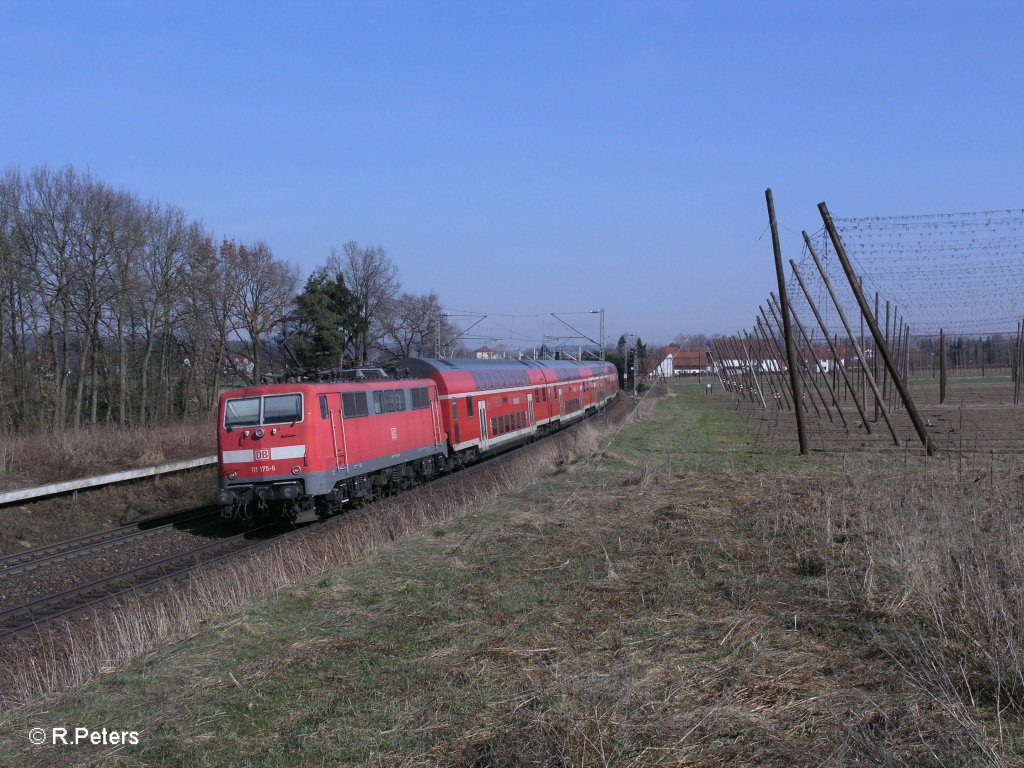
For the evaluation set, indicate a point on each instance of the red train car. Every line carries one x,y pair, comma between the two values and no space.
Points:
300,451
491,405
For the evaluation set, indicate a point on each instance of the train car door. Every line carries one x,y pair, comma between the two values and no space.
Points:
434,407
340,449
482,412
529,405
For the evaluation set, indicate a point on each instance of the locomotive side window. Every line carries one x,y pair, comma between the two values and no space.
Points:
324,412
242,412
282,409
354,404
388,400
420,398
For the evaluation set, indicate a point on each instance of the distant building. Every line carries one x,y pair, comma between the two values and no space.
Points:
689,362
485,353
665,368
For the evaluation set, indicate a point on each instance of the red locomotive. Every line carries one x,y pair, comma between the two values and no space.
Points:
303,451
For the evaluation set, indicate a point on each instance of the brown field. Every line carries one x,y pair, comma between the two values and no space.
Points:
977,417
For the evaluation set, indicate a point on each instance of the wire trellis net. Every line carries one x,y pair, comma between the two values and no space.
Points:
962,273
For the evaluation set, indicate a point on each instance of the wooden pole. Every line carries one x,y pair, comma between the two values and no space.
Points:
885,374
908,402
1020,362
794,376
775,371
853,341
942,367
753,374
754,344
779,355
805,370
874,362
832,349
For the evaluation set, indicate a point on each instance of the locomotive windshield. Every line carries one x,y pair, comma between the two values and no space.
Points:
271,409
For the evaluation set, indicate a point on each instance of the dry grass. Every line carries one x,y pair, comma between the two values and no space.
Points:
932,568
58,660
28,460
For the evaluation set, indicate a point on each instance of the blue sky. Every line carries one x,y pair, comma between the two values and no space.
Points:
523,158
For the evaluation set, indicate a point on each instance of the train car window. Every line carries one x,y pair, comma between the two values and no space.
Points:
354,404
455,411
324,411
282,409
397,399
242,412
469,406
494,427
420,398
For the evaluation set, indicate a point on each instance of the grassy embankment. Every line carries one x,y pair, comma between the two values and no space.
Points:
682,597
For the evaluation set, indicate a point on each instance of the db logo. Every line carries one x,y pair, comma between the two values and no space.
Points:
262,455
394,433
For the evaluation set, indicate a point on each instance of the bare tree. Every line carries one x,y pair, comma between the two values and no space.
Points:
373,279
209,307
48,237
410,324
265,288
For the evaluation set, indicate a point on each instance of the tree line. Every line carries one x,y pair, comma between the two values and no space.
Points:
115,309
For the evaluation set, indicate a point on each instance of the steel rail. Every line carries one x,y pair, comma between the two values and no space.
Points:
51,554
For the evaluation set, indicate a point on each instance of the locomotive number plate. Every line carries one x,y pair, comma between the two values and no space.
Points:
265,468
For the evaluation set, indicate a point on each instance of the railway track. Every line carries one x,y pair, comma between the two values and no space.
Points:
91,543
33,615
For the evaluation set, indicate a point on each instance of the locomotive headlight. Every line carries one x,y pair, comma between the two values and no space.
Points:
296,469
232,475
259,433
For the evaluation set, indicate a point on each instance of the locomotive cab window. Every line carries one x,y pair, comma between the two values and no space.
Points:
270,409
282,409
242,412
